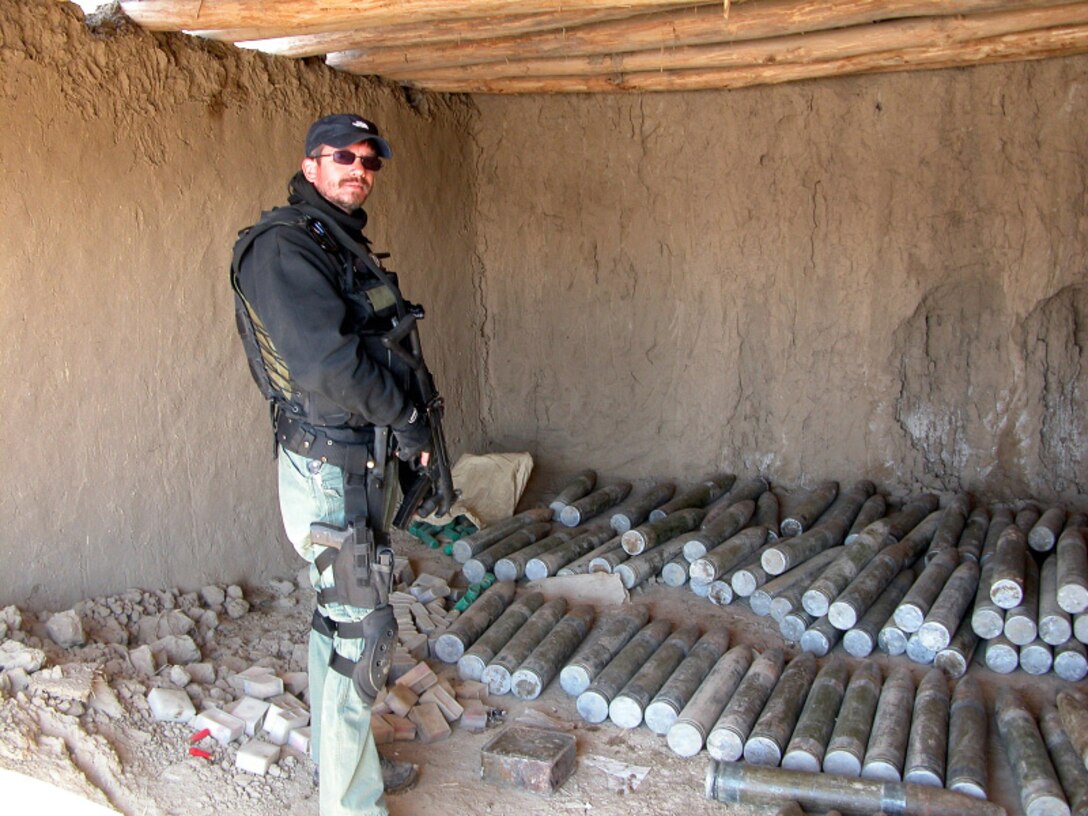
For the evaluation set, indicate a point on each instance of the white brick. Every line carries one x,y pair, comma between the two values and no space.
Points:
285,714
300,738
257,757
170,705
224,727
251,711
260,682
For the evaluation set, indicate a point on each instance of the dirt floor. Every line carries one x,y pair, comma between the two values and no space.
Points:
106,747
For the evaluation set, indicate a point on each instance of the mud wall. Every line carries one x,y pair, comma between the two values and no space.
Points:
137,450
878,277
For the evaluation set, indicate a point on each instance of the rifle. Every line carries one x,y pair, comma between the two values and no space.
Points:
432,491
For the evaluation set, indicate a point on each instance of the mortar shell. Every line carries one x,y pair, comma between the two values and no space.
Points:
1044,534
634,571
815,503
635,511
675,573
887,746
772,730
499,672
1027,517
465,548
805,751
575,489
1080,627
730,731
747,579
720,593
846,748
471,665
473,622
667,704
1072,571
512,566
1022,621
476,567
891,639
592,704
627,708
871,511
1010,557
968,724
951,527
927,746
1040,792
596,502
698,496
1071,661
861,639
1036,657
1000,518
1074,713
1055,625
735,550
1002,655
687,735
748,490
767,514
607,562
585,545
948,610
603,643
987,618
1068,766
790,584
970,544
789,553
912,610
918,652
720,528
545,661
954,659
821,793
794,624
652,533
862,592
820,638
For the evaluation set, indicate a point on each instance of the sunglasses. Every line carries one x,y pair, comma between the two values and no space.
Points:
372,163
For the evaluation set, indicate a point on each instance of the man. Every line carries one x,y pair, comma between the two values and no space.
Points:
312,306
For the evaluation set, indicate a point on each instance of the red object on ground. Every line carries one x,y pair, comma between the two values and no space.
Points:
199,735
199,752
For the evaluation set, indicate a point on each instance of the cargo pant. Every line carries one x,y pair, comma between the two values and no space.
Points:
342,746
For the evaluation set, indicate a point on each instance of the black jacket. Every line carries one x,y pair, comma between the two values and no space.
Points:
326,318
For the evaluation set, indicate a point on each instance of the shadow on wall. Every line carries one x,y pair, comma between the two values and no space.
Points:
977,398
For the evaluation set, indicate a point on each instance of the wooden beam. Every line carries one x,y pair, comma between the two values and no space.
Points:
415,35
800,48
1022,46
694,26
332,15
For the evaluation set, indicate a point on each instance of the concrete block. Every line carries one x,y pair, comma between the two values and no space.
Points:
418,646
295,683
260,682
285,713
251,711
403,728
419,679
400,700
380,706
223,727
445,701
171,705
470,690
256,757
402,664
474,716
532,759
382,730
300,739
431,726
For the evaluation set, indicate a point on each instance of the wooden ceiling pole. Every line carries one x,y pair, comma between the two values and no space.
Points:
651,32
329,15
1021,46
416,35
804,48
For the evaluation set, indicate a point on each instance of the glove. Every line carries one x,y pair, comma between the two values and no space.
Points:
414,438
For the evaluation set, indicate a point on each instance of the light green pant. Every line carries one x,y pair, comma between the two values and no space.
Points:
343,745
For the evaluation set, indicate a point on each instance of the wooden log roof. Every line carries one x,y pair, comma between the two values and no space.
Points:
591,46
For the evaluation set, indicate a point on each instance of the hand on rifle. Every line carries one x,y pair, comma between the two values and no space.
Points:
413,439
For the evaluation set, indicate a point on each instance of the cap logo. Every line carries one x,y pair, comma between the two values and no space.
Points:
359,123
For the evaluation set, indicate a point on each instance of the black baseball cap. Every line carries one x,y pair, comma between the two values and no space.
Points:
343,129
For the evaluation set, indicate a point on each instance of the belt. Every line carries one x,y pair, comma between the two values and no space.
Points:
347,448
